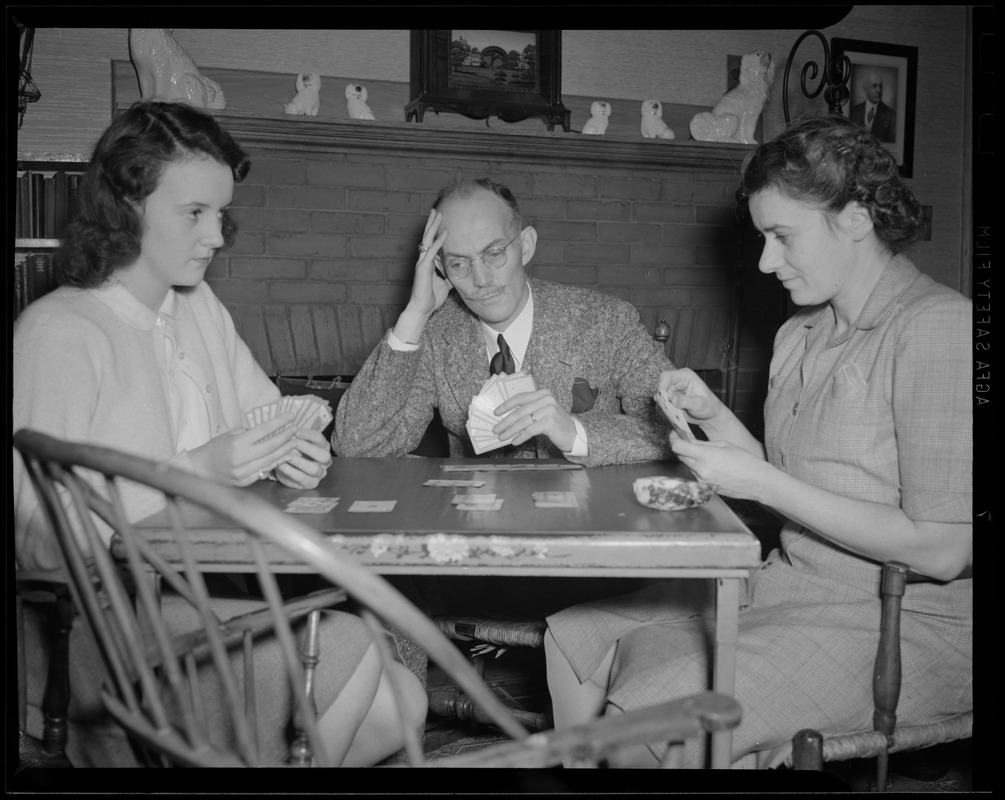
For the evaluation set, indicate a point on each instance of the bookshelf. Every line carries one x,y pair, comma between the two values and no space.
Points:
46,191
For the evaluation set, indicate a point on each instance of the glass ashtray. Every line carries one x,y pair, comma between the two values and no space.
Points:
671,494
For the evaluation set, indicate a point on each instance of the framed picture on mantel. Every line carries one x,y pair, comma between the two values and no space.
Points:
510,74
883,85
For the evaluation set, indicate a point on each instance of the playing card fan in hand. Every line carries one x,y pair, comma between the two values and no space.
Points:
310,412
481,413
676,416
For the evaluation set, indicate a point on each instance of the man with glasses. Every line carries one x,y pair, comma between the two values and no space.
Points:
472,311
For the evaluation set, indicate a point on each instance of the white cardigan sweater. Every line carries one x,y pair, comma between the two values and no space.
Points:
90,366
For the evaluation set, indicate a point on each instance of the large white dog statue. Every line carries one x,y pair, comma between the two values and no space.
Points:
167,73
734,118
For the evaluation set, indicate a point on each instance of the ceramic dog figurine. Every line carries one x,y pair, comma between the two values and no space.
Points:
167,73
734,117
653,126
355,97
600,113
308,99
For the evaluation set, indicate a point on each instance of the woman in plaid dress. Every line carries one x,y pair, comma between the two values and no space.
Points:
867,456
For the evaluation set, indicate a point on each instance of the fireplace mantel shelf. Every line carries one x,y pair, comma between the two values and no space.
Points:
311,135
253,116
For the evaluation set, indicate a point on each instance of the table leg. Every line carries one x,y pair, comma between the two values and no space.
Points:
727,619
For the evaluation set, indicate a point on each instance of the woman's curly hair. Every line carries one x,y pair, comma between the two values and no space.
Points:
125,168
831,161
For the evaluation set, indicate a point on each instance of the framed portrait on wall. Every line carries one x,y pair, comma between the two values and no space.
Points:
883,85
511,74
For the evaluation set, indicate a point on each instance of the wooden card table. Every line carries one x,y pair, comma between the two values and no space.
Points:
418,529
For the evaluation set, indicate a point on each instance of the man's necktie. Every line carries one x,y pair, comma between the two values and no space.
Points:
503,360
872,114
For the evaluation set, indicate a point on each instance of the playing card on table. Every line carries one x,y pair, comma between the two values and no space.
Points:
471,498
494,505
312,505
677,418
555,500
456,484
372,506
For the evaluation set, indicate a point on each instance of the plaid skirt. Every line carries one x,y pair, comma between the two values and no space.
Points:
808,630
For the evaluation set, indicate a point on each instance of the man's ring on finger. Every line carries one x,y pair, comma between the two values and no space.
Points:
423,248
532,417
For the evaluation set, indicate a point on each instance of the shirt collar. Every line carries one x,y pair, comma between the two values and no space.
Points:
897,275
131,311
517,334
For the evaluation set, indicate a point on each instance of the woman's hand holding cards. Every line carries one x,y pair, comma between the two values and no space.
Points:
728,464
309,462
241,457
683,389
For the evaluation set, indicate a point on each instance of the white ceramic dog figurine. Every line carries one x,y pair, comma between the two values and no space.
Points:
308,99
734,117
653,126
355,96
167,73
597,124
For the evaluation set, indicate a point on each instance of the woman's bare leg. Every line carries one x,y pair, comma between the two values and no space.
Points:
381,733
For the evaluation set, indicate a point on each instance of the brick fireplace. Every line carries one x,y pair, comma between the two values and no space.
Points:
330,216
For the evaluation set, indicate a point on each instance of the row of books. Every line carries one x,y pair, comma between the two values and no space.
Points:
34,276
46,202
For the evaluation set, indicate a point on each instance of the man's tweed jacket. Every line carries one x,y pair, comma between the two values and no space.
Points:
577,333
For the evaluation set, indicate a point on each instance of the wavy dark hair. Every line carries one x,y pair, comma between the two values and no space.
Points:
125,168
466,188
829,162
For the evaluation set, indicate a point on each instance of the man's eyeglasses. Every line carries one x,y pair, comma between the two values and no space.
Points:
493,258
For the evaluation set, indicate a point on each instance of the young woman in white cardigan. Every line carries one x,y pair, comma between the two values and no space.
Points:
134,351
